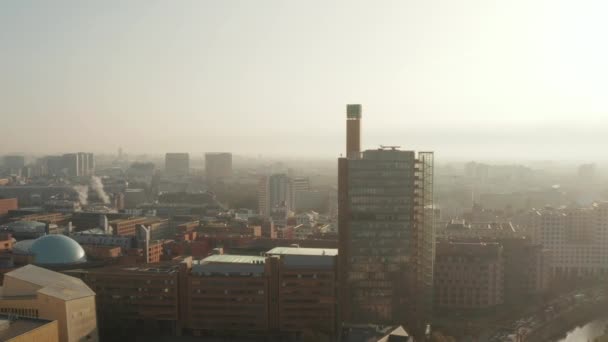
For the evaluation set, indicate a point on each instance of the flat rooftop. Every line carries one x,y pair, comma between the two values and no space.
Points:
161,268
234,259
12,328
303,251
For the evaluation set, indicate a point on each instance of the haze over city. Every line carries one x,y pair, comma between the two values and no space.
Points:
469,79
303,171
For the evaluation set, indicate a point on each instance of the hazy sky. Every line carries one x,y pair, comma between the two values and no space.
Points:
473,78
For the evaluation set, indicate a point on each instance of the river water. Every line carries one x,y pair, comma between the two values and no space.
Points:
586,332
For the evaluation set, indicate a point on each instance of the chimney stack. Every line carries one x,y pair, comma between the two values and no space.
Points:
353,131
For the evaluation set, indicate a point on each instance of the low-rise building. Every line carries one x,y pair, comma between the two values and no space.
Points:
307,291
128,294
230,294
36,292
25,329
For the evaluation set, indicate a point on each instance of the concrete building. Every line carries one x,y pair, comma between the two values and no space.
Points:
177,164
577,239
386,235
275,191
468,275
26,329
218,166
36,292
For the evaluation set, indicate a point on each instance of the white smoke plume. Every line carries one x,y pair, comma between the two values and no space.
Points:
83,193
97,185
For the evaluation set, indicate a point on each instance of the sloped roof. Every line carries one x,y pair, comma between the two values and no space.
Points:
397,335
52,283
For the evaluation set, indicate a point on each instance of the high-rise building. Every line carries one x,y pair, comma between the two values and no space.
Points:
83,164
79,164
177,164
91,163
70,164
218,166
386,235
274,191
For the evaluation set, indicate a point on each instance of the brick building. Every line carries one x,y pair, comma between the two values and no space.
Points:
287,292
7,204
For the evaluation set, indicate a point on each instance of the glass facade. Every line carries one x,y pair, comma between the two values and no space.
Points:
387,236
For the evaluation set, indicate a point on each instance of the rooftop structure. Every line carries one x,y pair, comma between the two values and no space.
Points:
25,229
303,251
37,292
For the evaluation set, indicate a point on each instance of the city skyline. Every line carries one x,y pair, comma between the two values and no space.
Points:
303,171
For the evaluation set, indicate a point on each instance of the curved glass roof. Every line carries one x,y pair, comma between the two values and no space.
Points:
57,250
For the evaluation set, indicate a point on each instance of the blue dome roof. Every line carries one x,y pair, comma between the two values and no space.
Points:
23,246
57,250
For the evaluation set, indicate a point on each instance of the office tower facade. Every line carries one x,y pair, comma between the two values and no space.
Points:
218,166
177,164
275,191
386,235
